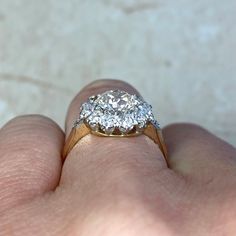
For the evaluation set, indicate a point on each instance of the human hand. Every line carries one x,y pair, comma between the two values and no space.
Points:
111,186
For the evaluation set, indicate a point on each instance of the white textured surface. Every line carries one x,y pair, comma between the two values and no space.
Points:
181,55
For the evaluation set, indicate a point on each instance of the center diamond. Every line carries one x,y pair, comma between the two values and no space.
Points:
116,112
116,101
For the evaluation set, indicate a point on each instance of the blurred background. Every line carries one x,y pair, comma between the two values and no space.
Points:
181,55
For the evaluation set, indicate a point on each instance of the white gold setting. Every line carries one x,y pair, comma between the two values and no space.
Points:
116,112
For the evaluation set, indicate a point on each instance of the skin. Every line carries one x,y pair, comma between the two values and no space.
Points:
113,186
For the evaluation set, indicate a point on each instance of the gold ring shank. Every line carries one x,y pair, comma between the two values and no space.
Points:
77,133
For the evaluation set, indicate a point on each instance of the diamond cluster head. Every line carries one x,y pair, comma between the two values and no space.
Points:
116,112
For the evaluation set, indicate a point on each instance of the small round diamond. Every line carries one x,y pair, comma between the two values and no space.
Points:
107,124
86,110
127,124
94,119
116,110
155,123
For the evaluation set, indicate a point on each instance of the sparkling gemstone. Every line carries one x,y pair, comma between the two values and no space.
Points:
107,124
127,124
115,101
94,119
155,123
86,110
116,110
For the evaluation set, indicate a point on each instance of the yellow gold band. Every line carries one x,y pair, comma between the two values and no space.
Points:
77,133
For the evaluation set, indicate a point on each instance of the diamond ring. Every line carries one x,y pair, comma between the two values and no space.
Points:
115,113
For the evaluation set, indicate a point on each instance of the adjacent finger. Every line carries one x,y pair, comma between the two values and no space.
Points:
195,152
30,158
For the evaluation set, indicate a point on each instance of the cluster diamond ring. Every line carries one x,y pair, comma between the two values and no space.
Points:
115,113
